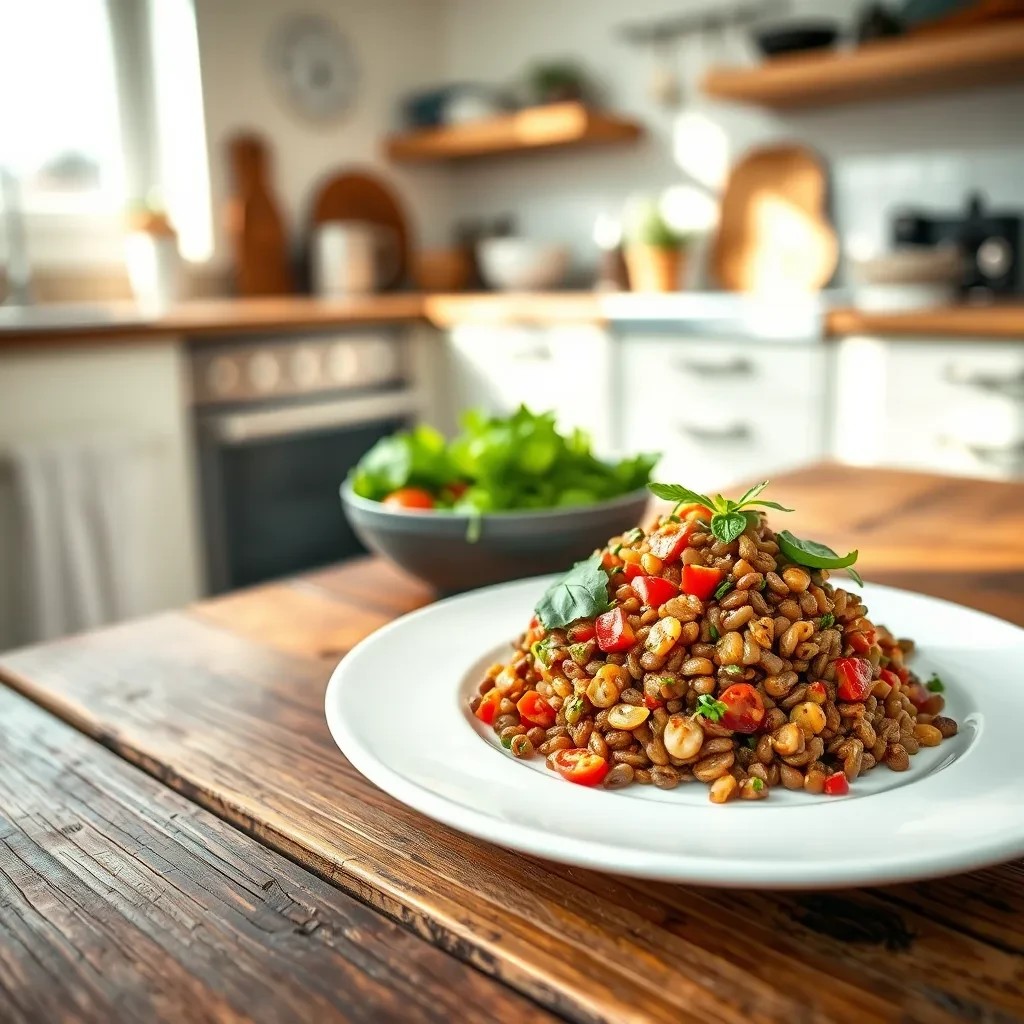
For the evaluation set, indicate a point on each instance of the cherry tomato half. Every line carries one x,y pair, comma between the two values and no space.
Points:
580,765
745,709
614,633
836,785
533,708
854,676
488,707
653,590
409,497
700,581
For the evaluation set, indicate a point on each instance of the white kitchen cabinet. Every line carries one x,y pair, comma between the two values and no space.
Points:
566,368
931,404
49,391
722,411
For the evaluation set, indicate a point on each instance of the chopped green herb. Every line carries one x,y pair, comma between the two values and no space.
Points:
615,549
713,631
728,520
615,570
673,518
935,684
756,784
574,709
733,670
763,586
828,619
816,556
635,535
506,742
710,708
582,593
580,653
752,741
539,651
723,588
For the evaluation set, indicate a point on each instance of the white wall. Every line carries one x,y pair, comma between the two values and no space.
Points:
397,44
928,151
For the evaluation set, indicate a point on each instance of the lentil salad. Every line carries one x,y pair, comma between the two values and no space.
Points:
710,648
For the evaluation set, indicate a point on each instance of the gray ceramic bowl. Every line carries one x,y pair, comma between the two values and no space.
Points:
512,545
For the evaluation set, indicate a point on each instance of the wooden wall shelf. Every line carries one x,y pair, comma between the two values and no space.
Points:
913,65
556,125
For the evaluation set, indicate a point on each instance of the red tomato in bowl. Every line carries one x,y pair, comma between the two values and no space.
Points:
409,497
580,765
744,708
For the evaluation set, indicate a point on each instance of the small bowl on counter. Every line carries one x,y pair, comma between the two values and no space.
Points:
522,264
452,552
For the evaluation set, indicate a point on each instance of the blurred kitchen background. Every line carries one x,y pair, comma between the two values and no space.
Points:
243,239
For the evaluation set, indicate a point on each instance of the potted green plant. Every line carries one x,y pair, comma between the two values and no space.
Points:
655,252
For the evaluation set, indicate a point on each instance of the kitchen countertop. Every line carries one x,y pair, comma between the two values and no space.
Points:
714,312
191,827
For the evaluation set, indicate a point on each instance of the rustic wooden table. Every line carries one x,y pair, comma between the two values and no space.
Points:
180,839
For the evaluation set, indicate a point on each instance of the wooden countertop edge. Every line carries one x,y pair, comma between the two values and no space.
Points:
215,318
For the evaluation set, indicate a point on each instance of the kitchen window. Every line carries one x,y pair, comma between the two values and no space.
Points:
102,108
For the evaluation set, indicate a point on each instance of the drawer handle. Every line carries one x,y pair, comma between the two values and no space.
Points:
735,432
1011,386
738,367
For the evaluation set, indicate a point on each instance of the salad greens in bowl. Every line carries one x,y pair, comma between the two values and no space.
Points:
508,497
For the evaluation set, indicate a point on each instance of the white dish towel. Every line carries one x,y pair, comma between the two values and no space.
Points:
83,506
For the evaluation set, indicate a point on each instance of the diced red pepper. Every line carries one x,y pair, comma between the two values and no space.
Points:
488,707
614,633
917,694
861,640
653,590
633,570
669,541
700,581
533,708
836,785
887,675
581,632
580,765
903,673
854,677
652,703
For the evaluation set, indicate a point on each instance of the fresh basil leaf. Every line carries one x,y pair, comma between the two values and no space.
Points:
678,493
855,576
752,493
811,553
582,593
727,527
773,504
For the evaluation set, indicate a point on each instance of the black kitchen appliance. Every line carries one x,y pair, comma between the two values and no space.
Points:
279,423
990,243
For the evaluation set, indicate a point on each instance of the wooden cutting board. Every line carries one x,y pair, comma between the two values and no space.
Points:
773,232
360,196
253,222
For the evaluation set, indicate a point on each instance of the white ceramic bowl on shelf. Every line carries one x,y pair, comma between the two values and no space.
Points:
522,264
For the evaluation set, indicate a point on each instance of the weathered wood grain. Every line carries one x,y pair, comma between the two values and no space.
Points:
224,703
122,901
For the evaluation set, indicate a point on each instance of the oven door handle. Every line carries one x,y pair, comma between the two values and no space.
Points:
237,428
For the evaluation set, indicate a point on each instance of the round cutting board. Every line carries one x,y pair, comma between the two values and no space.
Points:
364,197
774,231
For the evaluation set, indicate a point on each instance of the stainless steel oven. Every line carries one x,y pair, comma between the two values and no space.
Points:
279,423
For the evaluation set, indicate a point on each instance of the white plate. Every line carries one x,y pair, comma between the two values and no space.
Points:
397,707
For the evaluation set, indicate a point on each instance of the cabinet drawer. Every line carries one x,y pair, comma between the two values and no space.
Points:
734,449
709,373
